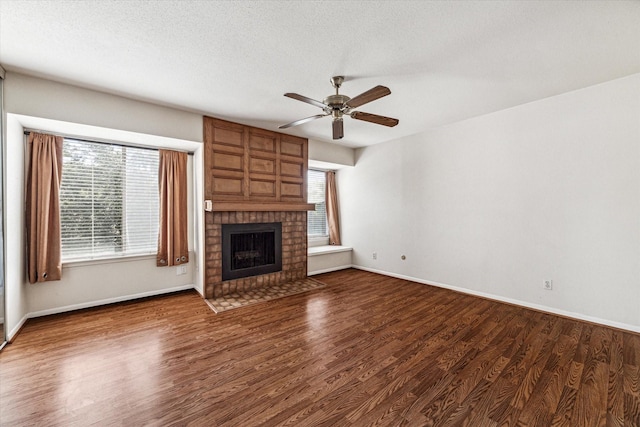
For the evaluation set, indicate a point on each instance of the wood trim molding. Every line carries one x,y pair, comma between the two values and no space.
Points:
262,206
251,165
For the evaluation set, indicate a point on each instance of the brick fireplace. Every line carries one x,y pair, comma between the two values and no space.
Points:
254,176
294,250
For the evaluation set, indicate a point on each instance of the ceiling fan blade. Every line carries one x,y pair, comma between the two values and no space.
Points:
374,118
307,100
301,121
338,129
368,96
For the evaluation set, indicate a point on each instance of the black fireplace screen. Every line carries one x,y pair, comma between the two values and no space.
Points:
251,249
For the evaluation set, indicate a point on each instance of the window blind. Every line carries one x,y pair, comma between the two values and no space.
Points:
108,200
316,220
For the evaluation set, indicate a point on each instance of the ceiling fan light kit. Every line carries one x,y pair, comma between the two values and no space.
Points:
338,105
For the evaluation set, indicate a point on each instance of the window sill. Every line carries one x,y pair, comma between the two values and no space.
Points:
109,260
329,249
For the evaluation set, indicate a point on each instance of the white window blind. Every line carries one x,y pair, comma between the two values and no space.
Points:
316,220
108,200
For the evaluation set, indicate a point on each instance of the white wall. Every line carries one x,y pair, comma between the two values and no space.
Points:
2,178
36,97
46,105
16,304
494,205
327,155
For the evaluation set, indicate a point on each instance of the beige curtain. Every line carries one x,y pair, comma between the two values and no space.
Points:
332,209
43,207
173,246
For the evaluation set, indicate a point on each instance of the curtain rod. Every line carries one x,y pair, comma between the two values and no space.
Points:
102,141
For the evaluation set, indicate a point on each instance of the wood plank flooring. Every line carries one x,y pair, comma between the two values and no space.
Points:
365,350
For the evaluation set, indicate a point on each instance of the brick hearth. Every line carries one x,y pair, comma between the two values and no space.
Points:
294,250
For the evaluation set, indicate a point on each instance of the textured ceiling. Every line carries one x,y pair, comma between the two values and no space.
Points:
443,61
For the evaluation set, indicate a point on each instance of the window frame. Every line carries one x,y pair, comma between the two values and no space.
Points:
112,257
318,240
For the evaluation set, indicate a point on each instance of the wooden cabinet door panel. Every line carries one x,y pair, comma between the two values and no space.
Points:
227,186
262,165
230,137
259,141
228,161
262,188
292,191
291,169
292,148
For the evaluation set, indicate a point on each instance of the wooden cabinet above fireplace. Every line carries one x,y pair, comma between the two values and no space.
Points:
251,169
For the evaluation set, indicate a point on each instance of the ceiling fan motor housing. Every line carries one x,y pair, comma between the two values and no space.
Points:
336,102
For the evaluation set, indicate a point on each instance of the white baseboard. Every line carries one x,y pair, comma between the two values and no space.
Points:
12,333
64,309
329,270
538,307
106,301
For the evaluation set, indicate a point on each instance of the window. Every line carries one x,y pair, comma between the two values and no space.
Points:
316,220
108,200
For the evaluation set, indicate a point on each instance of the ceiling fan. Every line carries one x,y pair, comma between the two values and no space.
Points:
338,106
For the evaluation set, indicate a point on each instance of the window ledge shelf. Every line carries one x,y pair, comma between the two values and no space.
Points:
106,260
327,249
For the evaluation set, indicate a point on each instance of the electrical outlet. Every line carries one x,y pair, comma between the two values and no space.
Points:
375,255
181,269
547,284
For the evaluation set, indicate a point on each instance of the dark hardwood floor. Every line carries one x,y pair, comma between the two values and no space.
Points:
365,350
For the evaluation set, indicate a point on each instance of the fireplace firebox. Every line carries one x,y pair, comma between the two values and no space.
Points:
251,249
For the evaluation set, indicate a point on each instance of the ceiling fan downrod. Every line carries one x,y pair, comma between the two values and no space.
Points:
336,102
